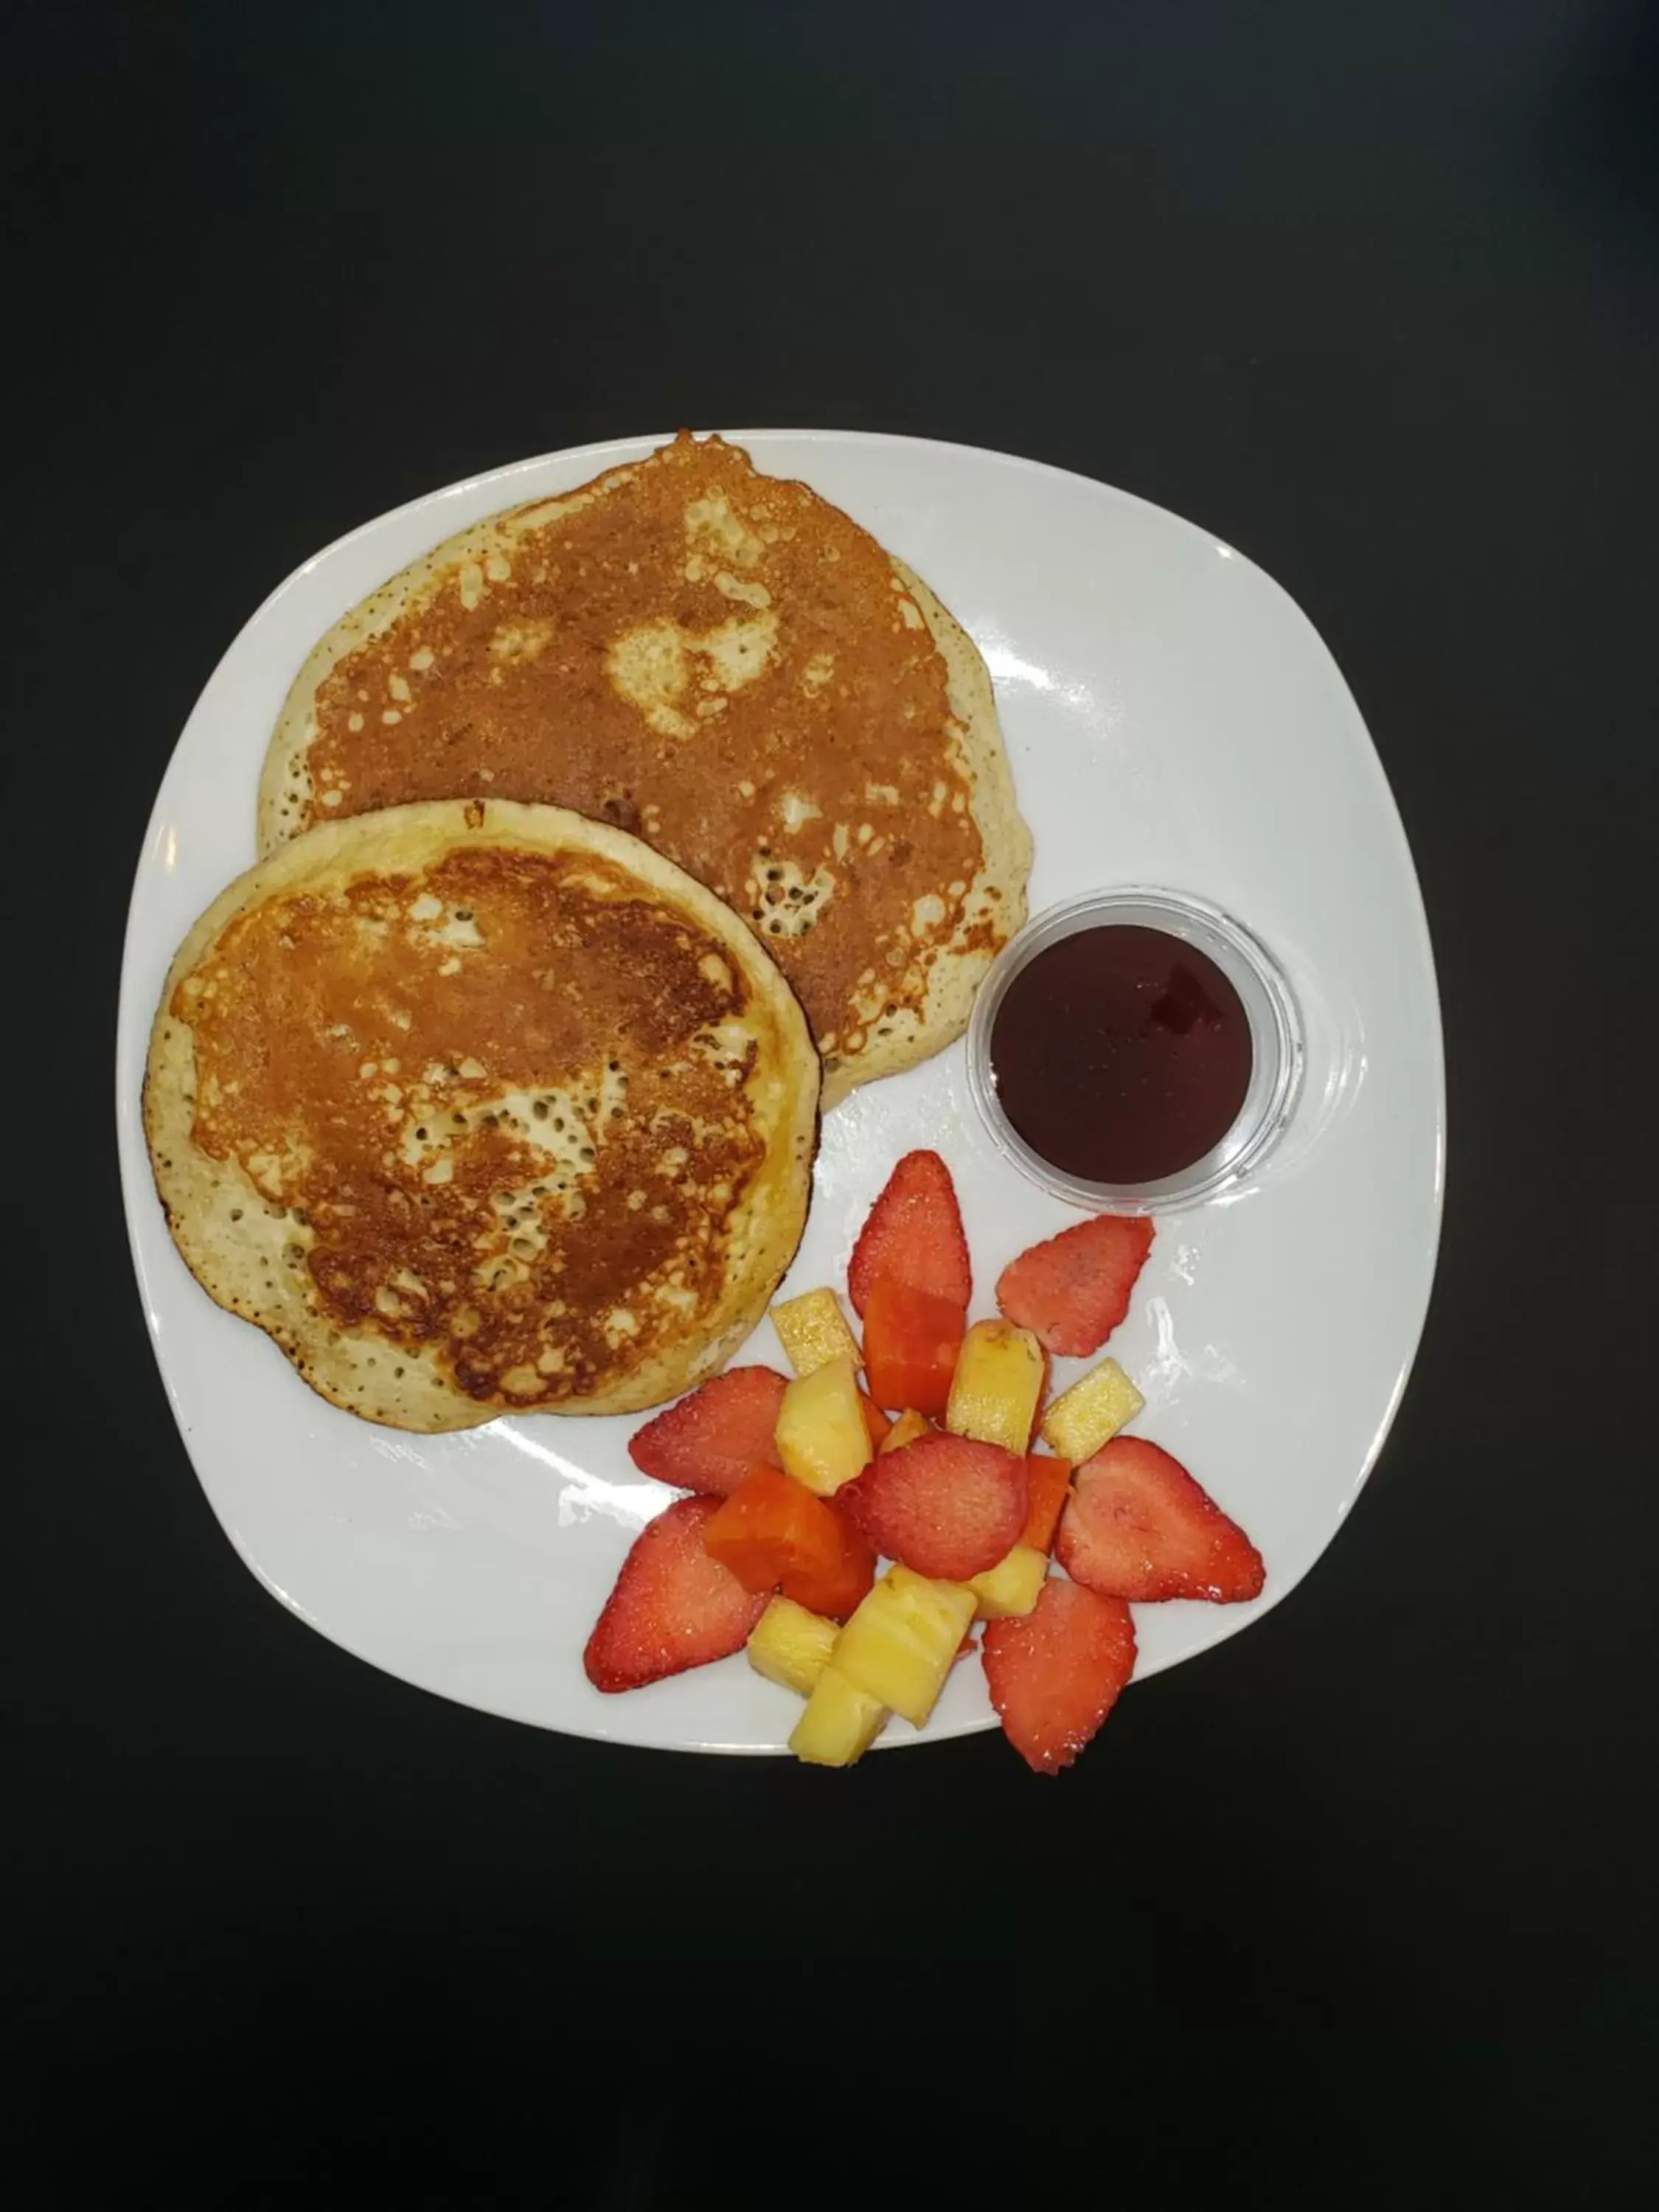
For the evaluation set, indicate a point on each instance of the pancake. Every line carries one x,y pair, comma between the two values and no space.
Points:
478,1109
728,666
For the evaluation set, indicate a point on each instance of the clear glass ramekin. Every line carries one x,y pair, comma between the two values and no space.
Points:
1276,1051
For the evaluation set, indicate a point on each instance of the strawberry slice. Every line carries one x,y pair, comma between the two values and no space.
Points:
914,1235
943,1506
672,1608
1072,1292
1055,1673
1139,1527
711,1440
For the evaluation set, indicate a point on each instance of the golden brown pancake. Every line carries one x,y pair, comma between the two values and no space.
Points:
727,664
482,1108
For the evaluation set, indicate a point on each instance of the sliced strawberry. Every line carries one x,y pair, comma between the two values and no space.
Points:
914,1235
944,1506
672,1608
711,1440
1055,1673
1072,1292
1139,1527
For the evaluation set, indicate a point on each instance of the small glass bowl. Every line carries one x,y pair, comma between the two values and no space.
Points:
1276,1046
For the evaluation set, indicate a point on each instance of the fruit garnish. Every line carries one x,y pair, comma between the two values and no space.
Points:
813,1330
946,1506
904,1640
1012,1586
811,1486
840,1724
775,1534
1046,1481
914,1235
909,1426
672,1605
1055,1674
1139,1527
998,1386
791,1646
1091,1413
876,1423
710,1440
911,1341
1072,1289
822,1437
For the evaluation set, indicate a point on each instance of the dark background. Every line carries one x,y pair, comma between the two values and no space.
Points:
1360,1903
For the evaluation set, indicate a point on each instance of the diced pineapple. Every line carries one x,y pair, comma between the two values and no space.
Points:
823,1438
1090,1413
905,1431
813,1330
997,1387
791,1646
901,1642
1012,1586
840,1724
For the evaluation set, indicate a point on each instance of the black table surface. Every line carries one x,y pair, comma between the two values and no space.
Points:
1362,1900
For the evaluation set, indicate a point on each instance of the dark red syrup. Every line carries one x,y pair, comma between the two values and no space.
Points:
1120,1053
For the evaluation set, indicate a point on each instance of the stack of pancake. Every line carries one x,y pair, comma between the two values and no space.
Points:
603,845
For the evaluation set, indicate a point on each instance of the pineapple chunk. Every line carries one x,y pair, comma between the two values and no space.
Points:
821,1435
905,1431
997,1387
900,1644
1090,1413
1012,1586
813,1330
791,1646
840,1724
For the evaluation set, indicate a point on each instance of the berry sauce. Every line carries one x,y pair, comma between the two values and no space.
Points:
1120,1053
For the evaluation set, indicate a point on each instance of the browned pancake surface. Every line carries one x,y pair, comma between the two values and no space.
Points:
522,1127
723,664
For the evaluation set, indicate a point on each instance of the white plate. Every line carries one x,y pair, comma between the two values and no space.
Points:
1172,719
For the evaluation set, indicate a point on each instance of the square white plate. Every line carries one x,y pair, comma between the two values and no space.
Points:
1172,718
